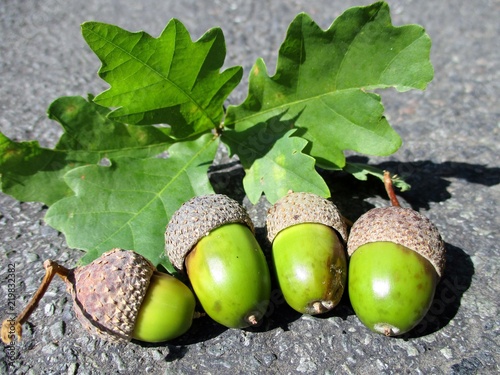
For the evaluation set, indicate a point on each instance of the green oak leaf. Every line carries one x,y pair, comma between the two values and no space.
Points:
323,77
168,79
283,168
30,172
273,160
129,203
362,171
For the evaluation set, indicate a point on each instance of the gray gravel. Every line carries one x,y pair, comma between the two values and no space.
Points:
450,156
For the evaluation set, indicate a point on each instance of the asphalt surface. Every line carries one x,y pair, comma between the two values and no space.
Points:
450,156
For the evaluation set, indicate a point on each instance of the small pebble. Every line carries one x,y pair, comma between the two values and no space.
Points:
467,366
447,353
72,368
216,350
63,257
57,330
31,257
306,365
380,365
47,231
157,355
49,309
119,362
267,359
49,349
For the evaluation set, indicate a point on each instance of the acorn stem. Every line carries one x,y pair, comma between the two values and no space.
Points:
11,326
390,189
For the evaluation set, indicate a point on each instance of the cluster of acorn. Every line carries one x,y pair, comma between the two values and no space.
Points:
396,257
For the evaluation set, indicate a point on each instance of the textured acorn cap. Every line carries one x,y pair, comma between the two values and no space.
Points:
402,226
198,217
297,208
108,293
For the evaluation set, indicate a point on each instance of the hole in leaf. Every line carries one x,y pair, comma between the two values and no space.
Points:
163,155
105,162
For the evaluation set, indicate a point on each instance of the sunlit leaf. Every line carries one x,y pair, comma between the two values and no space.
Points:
323,79
33,173
273,160
129,203
168,79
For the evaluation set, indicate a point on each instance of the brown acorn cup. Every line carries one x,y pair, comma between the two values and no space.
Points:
107,295
400,225
198,217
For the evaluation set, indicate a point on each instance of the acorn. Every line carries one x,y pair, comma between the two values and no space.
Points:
118,297
211,238
308,234
396,261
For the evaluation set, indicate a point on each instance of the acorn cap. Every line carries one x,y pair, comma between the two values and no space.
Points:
402,226
198,217
297,208
108,293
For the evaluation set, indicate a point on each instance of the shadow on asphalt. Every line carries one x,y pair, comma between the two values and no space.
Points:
429,183
456,279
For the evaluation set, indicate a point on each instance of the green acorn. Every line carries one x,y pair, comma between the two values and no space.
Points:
308,235
211,238
396,261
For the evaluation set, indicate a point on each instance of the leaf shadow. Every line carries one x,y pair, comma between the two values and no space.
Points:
429,181
256,141
278,314
456,279
227,178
